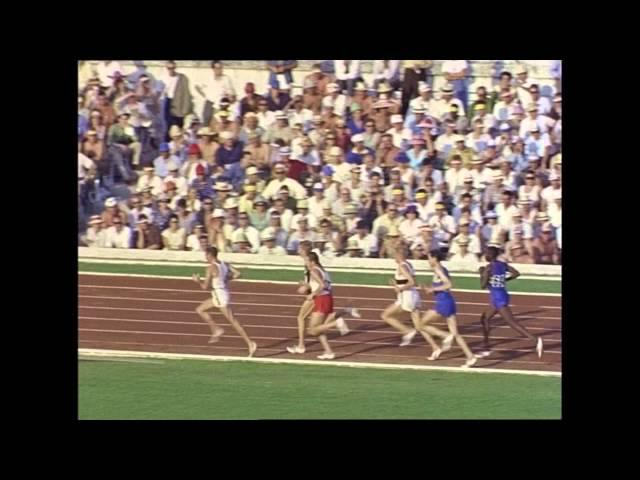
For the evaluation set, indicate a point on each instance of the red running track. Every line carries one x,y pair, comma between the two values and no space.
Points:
157,315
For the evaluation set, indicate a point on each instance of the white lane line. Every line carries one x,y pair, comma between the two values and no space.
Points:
196,302
266,315
266,294
344,342
278,282
311,351
278,327
185,356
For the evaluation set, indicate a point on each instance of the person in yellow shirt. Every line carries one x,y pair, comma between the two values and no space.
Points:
466,154
245,202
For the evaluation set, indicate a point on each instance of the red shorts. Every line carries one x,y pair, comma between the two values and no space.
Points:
323,304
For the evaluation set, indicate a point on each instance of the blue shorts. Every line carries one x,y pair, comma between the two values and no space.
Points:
445,305
499,299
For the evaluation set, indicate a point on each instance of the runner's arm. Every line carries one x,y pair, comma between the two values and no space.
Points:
513,273
446,283
484,277
319,281
234,272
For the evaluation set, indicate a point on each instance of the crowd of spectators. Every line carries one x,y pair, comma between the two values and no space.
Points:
359,170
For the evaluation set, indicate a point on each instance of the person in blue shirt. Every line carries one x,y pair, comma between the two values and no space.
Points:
356,122
494,277
445,307
417,153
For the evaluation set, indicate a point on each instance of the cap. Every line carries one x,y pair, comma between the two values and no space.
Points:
175,131
285,151
453,107
239,237
447,88
336,151
554,176
252,170
462,240
532,107
410,209
259,200
171,166
250,188
491,214
164,147
200,170
205,132
424,87
479,106
327,171
279,167
267,234
230,203
302,218
505,127
355,107
280,115
516,214
226,135
458,138
396,118
463,222
333,87
420,194
360,87
222,187
358,137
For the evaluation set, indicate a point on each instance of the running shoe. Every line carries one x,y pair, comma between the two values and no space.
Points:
539,347
327,356
296,349
406,339
447,342
342,326
470,362
435,355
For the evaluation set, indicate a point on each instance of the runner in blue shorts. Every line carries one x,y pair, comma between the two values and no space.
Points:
445,307
494,277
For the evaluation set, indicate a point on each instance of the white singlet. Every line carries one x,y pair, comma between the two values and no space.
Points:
219,291
408,300
326,287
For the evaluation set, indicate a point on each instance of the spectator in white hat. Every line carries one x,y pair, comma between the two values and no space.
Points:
415,74
301,233
510,177
548,193
174,178
493,192
478,140
466,201
516,155
443,224
118,234
364,240
522,84
488,120
528,211
299,114
111,212
545,248
463,254
174,237
460,150
146,235
543,103
249,232
137,209
316,202
448,99
482,176
383,223
280,129
555,209
425,101
335,100
347,73
150,179
454,176
218,231
198,240
505,106
280,174
96,235
534,119
258,216
518,225
386,71
285,213
492,232
538,144
506,209
465,230
447,140
401,136
269,246
164,161
516,249
456,72
302,211
266,118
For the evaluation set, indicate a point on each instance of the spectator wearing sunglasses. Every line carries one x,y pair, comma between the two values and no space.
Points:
174,237
119,235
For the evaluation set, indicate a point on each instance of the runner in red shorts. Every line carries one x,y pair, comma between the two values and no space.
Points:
321,294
